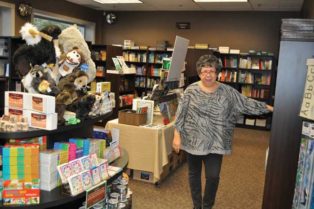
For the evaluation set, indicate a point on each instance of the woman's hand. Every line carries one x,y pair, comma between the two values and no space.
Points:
270,108
176,144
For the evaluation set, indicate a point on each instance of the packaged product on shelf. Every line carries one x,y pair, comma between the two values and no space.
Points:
42,120
21,174
49,161
76,184
17,100
41,103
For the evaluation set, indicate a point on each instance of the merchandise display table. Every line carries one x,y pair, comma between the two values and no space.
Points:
57,198
148,147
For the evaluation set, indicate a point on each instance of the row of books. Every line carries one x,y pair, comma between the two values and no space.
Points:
250,91
134,56
99,55
304,190
250,78
244,77
255,63
230,62
156,57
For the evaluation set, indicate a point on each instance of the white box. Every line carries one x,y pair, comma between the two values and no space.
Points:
16,100
14,111
224,49
42,120
41,103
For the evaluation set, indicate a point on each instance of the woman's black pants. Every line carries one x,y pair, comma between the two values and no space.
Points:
212,164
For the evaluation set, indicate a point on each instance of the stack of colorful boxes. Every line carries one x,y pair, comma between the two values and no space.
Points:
83,144
49,160
21,174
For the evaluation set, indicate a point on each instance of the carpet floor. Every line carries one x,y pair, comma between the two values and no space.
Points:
241,185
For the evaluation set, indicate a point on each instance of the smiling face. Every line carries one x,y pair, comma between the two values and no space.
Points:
208,76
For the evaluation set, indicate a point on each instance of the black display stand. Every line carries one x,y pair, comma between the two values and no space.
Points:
56,198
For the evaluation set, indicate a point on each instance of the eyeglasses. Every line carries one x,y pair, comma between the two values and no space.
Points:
208,72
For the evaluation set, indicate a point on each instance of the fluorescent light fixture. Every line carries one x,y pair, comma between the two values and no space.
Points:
119,1
208,1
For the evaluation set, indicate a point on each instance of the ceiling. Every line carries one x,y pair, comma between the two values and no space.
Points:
190,5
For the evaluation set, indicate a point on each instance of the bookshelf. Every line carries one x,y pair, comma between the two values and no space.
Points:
9,79
102,56
254,76
123,85
147,63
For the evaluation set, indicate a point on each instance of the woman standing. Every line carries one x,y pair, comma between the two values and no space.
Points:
204,126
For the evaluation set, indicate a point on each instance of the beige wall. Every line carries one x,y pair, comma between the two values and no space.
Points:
242,30
308,9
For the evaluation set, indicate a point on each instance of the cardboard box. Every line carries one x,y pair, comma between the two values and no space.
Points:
130,117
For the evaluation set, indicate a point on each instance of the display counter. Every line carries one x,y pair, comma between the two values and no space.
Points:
149,148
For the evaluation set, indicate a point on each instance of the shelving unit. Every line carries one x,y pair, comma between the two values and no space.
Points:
9,79
253,76
102,56
123,85
57,198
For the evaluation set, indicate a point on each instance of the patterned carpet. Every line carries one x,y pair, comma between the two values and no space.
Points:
241,185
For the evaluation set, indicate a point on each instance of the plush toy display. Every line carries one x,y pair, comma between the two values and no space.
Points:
58,63
70,38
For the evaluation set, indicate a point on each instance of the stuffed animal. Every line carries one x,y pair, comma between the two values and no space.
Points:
74,83
63,99
73,59
37,50
39,80
71,37
97,105
82,106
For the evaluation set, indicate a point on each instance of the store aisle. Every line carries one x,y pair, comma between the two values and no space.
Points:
241,186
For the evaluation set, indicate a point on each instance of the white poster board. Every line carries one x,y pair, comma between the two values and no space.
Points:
307,108
178,58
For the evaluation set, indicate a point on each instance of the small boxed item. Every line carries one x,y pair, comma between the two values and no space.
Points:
130,117
41,103
17,100
143,176
42,120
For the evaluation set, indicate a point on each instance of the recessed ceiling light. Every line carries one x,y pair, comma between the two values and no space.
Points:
119,1
206,1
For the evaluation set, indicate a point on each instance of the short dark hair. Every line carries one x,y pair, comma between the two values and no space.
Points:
210,61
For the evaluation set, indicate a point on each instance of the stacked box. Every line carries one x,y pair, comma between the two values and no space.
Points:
64,156
49,160
79,146
21,162
83,144
94,147
72,151
21,174
40,140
